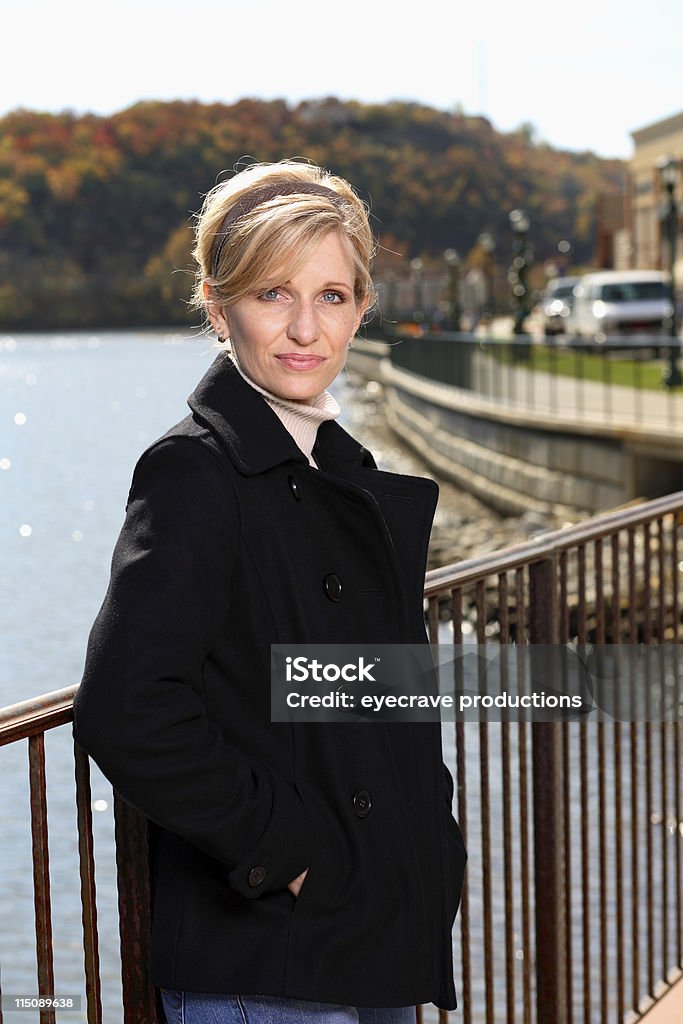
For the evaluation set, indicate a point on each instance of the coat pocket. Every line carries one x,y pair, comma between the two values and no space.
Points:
305,891
317,894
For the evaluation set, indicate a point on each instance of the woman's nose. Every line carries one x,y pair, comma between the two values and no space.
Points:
303,326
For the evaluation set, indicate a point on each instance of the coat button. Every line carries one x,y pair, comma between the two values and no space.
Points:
294,487
362,802
332,586
256,876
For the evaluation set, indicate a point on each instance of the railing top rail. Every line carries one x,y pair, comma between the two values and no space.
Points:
603,525
35,715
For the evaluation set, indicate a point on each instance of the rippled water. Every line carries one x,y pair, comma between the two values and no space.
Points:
75,412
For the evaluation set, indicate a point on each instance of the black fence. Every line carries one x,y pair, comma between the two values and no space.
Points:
624,380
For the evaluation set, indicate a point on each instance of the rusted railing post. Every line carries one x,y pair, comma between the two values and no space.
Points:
550,879
132,869
86,857
41,872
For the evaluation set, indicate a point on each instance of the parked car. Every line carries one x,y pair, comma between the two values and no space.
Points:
616,302
556,302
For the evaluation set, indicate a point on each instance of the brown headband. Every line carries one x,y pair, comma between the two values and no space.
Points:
263,194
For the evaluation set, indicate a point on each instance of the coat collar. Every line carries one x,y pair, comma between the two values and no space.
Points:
252,434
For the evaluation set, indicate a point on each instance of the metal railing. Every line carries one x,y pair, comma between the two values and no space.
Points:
619,382
573,908
573,905
30,720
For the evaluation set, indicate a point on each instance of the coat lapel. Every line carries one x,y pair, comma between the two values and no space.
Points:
244,424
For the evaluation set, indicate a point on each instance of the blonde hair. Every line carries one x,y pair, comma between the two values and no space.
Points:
273,235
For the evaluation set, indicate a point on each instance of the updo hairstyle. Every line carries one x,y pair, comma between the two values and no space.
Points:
250,236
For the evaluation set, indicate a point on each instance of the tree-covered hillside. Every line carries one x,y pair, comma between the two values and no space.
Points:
95,212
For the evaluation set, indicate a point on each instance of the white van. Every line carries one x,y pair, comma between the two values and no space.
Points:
617,302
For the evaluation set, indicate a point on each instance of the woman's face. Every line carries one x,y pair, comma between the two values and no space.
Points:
292,338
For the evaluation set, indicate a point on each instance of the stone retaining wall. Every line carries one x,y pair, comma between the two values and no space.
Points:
519,460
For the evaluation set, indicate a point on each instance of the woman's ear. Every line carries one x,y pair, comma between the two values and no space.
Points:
215,313
361,309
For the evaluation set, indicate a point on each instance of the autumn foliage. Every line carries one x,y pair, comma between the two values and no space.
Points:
96,212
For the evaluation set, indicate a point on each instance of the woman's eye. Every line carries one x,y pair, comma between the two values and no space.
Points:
270,294
333,296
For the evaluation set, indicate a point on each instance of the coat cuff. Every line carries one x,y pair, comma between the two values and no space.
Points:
286,848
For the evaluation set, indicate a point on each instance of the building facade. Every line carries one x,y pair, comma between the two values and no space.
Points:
654,142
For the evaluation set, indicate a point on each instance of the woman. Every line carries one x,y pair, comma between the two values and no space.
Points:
300,870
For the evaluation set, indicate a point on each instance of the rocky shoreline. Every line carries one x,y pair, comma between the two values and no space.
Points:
464,526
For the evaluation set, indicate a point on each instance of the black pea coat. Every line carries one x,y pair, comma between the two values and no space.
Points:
228,541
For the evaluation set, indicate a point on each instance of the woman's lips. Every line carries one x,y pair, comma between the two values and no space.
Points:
296,361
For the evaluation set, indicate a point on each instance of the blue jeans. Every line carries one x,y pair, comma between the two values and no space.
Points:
209,1008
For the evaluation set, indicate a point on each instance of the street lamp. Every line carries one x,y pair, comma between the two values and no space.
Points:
453,263
487,244
668,175
521,261
416,266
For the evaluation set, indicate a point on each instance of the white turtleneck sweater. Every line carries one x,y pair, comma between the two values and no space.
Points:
301,419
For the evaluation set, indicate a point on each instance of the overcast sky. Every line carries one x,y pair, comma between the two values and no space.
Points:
584,74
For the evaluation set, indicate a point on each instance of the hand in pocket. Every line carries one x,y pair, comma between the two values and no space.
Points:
295,885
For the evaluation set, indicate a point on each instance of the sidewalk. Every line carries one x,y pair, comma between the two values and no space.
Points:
567,399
